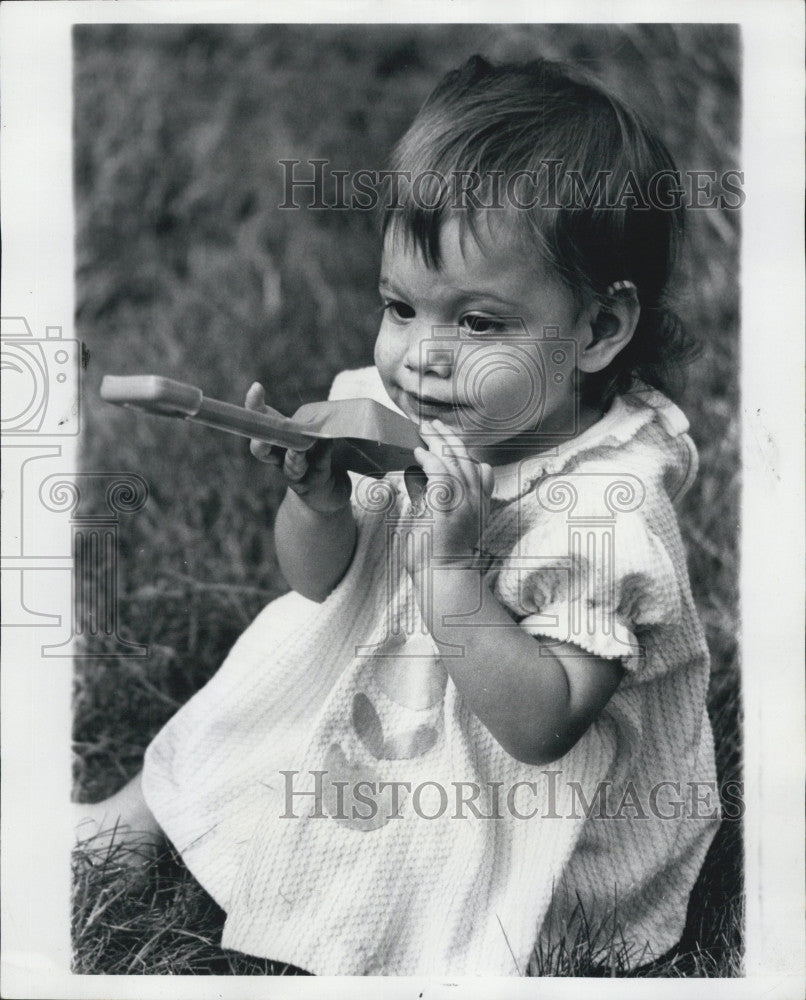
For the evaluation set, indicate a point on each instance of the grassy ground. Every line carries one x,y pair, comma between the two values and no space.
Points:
185,266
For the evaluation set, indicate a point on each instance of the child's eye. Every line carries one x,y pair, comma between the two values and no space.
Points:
398,310
482,325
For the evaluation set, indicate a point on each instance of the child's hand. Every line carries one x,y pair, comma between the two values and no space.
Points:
308,473
457,531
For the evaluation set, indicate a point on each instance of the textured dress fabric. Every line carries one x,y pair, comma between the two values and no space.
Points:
333,792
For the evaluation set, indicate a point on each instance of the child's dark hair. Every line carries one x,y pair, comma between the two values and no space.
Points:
495,121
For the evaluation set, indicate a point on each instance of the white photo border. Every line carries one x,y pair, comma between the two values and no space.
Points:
37,283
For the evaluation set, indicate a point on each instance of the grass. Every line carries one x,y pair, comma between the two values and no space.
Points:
186,267
157,921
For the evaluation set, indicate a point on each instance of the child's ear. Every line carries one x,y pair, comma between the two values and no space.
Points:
612,324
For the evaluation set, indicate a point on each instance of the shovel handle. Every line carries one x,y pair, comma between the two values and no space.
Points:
169,398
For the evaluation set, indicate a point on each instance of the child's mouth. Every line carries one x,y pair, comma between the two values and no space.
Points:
428,408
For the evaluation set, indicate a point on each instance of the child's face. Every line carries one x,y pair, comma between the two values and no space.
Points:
487,343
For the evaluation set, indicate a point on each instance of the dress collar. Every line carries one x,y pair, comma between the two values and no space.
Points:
626,416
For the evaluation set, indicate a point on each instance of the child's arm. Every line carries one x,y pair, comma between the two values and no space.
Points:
315,531
537,702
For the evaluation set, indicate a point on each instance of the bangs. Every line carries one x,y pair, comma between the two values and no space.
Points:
418,228
435,198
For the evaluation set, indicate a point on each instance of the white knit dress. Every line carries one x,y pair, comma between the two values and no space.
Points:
452,858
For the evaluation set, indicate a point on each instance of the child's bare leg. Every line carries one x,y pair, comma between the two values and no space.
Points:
122,819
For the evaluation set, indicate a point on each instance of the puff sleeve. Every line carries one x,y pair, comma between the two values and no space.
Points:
599,579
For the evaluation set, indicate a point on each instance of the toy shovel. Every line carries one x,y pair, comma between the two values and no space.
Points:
368,437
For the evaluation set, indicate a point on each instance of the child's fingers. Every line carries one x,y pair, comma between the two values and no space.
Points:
265,452
255,397
295,465
447,441
430,462
262,450
319,456
448,445
447,455
487,479
435,442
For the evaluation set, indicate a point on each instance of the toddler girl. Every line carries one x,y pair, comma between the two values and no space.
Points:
477,722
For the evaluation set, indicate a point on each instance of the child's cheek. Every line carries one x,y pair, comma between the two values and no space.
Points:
505,386
378,350
384,356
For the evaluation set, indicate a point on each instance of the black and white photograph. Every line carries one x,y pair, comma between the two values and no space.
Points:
387,509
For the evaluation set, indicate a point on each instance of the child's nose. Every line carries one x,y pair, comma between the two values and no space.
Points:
428,355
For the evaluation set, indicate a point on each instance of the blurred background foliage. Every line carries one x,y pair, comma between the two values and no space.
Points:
187,267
